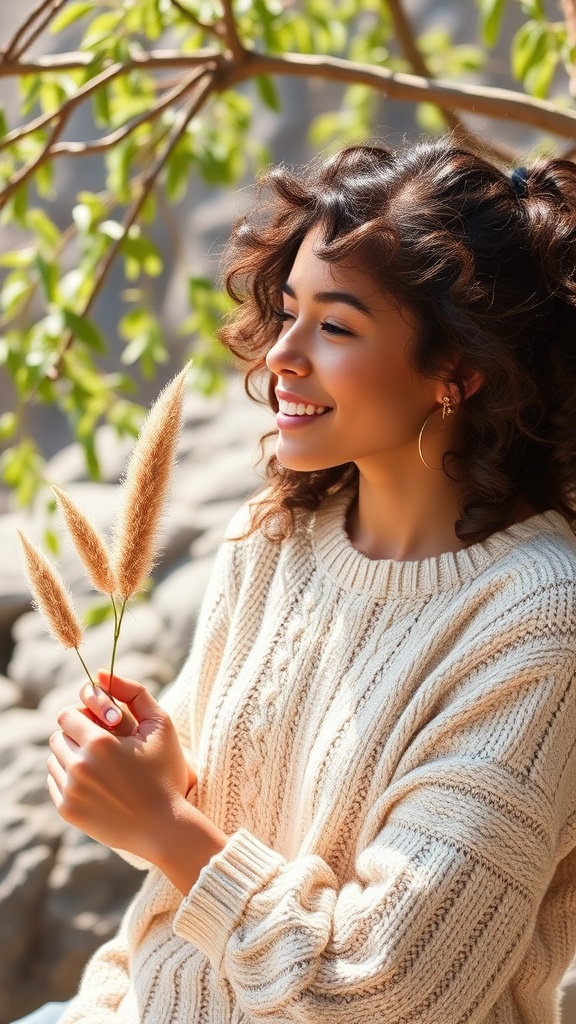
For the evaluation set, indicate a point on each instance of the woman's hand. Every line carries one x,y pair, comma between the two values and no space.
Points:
107,711
129,792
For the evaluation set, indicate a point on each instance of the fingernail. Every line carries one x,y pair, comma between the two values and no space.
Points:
112,715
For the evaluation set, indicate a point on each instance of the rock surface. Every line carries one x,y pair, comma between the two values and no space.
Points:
61,894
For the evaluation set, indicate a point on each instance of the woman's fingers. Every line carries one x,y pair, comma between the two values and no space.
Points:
106,709
57,772
134,694
99,703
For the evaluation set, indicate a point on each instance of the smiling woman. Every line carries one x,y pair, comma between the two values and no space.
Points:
344,348
357,801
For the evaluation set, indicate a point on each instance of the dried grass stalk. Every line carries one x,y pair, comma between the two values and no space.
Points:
51,596
144,489
88,543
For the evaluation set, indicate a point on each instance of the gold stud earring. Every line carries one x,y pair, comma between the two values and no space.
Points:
447,408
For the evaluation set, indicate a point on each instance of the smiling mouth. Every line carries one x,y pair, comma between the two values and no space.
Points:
300,409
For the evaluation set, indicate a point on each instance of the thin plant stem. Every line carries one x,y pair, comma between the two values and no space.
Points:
118,616
85,667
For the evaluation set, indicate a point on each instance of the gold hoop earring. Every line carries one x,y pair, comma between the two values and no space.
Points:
447,410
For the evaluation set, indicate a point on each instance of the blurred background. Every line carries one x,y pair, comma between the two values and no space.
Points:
113,213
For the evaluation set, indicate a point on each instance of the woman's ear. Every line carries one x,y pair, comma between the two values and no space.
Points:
472,380
469,382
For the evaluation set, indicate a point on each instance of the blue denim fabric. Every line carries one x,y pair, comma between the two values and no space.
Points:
50,1013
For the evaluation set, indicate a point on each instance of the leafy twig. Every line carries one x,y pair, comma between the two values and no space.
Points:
178,129
67,107
418,63
107,141
30,168
504,104
210,29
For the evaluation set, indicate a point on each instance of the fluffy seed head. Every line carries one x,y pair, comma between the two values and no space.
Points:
88,543
144,489
50,595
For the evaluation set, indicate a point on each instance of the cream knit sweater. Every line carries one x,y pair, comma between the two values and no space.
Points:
391,748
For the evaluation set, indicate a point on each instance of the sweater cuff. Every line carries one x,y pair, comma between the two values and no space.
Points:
217,902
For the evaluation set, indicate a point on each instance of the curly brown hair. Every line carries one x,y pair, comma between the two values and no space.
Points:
486,263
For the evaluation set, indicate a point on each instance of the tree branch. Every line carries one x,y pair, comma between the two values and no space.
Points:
147,184
39,28
67,107
60,63
107,141
12,50
417,61
233,41
502,104
213,30
30,168
411,53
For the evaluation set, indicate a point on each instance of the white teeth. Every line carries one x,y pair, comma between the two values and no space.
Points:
293,409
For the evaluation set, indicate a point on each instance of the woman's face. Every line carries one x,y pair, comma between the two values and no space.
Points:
344,384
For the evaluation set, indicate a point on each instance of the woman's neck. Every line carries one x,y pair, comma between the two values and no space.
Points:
405,523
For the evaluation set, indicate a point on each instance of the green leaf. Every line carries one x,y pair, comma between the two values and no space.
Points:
429,118
84,329
101,106
51,542
145,338
126,417
104,27
39,222
70,14
86,436
268,92
50,95
98,613
8,425
48,274
21,468
15,291
17,258
491,13
533,8
538,78
83,217
143,253
528,46
119,161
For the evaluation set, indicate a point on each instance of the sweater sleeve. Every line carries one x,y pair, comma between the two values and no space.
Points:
456,860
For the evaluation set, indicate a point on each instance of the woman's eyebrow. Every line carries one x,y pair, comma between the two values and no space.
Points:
346,297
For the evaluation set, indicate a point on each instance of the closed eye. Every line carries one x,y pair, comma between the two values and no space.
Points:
282,315
334,329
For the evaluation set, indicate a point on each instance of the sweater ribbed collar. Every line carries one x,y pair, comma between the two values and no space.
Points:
355,571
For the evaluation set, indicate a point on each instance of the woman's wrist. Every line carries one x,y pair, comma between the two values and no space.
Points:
184,842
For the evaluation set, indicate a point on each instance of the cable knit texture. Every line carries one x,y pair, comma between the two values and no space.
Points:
391,749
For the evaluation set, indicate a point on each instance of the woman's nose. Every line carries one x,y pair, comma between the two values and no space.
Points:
287,355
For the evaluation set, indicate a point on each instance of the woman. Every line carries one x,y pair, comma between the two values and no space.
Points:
381,823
